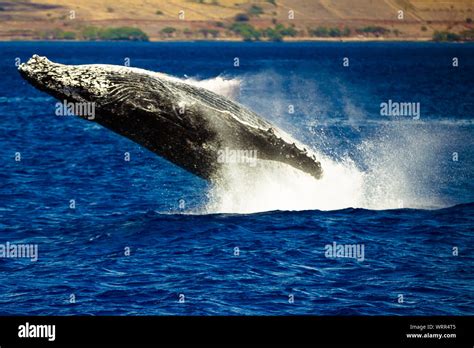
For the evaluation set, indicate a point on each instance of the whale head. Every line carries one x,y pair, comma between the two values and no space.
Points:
80,83
112,90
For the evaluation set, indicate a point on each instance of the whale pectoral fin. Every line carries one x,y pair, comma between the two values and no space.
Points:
282,151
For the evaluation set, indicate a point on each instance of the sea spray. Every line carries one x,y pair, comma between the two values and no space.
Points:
277,186
389,169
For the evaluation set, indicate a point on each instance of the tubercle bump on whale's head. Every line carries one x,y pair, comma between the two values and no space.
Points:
68,82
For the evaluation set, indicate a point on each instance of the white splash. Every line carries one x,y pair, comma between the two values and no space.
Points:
227,87
278,186
397,162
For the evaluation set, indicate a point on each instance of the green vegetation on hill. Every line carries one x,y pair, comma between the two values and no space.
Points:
246,31
329,32
255,10
209,33
345,32
168,31
249,33
113,34
374,30
442,36
467,35
241,17
445,36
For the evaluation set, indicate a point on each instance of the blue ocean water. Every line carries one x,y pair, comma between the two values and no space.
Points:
145,235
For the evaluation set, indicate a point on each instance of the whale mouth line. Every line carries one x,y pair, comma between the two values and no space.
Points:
190,126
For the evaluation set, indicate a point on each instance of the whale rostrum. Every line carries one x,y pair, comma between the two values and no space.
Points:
186,124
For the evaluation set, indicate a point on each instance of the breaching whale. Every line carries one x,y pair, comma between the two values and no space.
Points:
186,124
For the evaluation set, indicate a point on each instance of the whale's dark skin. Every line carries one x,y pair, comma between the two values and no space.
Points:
183,123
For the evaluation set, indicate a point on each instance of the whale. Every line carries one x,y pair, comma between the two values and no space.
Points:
187,125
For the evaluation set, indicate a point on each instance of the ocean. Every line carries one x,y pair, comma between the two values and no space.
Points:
388,230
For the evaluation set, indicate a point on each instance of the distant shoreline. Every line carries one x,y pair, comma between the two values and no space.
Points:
288,40
237,21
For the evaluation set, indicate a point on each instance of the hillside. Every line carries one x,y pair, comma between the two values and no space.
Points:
235,19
